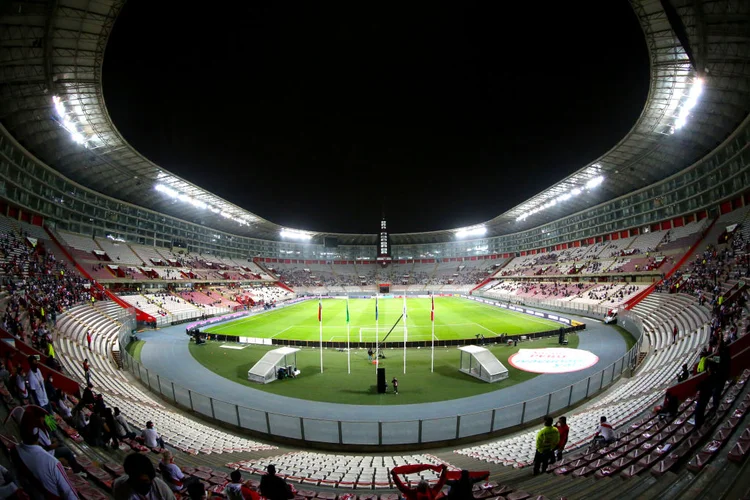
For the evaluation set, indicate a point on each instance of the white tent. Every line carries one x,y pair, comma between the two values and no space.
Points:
482,364
265,370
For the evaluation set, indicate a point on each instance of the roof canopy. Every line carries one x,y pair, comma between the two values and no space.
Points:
51,101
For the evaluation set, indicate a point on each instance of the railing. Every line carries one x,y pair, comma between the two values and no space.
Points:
173,319
380,433
555,305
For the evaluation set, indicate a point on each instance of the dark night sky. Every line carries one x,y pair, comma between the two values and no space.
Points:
315,117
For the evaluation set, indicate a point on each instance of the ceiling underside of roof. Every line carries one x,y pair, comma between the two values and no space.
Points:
56,47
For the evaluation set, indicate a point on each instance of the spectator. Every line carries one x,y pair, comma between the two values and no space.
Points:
22,391
48,440
547,440
462,488
8,486
684,374
151,438
140,481
172,474
563,429
94,434
109,429
87,398
273,487
670,406
43,471
705,392
121,426
237,490
196,491
53,394
36,384
86,371
723,371
423,490
605,431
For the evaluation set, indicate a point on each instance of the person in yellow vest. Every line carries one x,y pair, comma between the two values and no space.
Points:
702,362
547,440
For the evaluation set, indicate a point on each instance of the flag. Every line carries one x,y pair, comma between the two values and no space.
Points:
320,309
376,308
347,310
432,311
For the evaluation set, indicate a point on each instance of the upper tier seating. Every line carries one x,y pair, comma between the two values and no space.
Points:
149,255
79,242
119,252
33,231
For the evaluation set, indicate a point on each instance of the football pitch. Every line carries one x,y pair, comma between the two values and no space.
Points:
455,318
349,376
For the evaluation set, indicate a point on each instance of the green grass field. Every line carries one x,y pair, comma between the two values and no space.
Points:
455,318
335,385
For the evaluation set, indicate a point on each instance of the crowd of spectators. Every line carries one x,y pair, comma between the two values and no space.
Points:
707,275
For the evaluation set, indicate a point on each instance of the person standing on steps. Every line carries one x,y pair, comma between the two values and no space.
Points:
547,440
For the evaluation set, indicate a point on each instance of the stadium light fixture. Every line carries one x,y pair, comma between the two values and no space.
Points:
295,234
66,122
468,232
692,99
590,185
173,193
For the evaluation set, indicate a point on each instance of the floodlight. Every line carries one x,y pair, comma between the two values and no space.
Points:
471,231
295,234
592,183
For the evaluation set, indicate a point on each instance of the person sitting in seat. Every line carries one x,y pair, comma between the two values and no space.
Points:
140,481
151,438
670,407
172,474
605,434
237,490
40,469
121,426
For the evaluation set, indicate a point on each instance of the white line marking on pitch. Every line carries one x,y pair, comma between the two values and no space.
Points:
282,331
485,328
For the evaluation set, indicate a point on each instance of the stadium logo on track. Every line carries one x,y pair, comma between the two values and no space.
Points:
552,360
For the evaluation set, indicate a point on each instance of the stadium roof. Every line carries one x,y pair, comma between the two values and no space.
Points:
51,101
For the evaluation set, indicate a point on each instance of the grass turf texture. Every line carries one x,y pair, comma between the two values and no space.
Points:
455,318
134,349
418,385
334,385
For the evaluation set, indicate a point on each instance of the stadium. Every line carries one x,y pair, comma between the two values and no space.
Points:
368,365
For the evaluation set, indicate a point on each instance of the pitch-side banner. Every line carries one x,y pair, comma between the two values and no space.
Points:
539,314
